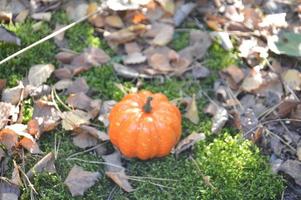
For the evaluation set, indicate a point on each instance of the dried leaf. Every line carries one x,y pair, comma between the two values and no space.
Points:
183,12
16,178
8,138
114,21
30,145
219,119
44,16
20,18
8,113
105,111
46,164
192,111
46,114
119,5
121,36
167,5
95,132
84,140
76,9
13,95
65,57
39,74
73,119
292,79
134,58
160,62
132,47
79,180
33,127
79,85
116,172
9,191
63,73
9,37
128,72
293,169
233,75
199,71
188,142
164,35
63,84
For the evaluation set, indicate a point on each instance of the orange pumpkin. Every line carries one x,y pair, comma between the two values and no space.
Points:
145,125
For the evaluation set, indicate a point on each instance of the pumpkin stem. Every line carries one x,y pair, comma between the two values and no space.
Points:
147,106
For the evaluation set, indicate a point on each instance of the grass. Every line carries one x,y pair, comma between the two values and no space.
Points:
236,168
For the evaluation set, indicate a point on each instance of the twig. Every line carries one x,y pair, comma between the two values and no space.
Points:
283,141
95,162
85,151
49,36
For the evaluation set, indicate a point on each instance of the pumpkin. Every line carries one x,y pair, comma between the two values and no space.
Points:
145,125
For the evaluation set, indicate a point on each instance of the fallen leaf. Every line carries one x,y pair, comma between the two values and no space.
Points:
30,145
63,73
118,5
292,79
20,18
73,119
16,178
46,164
2,84
114,21
293,169
37,92
120,37
9,191
38,74
286,43
44,16
233,75
116,172
9,37
219,119
164,35
192,111
160,62
199,71
65,57
63,84
13,95
8,138
167,5
128,72
33,128
100,135
84,140
183,12
134,58
188,142
8,113
105,111
46,114
79,85
79,180
132,47
76,9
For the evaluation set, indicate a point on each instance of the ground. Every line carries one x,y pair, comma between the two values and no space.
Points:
224,166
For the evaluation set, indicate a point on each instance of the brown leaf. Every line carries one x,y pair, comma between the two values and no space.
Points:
199,71
46,114
73,119
30,145
192,111
134,58
76,9
84,140
183,12
20,18
13,95
46,164
65,57
292,79
63,84
116,172
128,72
132,47
120,37
219,119
2,84
233,76
286,107
160,62
16,178
188,142
63,73
79,85
43,16
79,180
105,111
164,35
8,138
95,132
114,21
38,74
167,5
8,113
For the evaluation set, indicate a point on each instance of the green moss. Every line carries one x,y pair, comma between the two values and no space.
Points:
180,40
16,68
27,110
237,170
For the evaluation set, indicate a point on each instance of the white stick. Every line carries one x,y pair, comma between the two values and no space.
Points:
48,37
